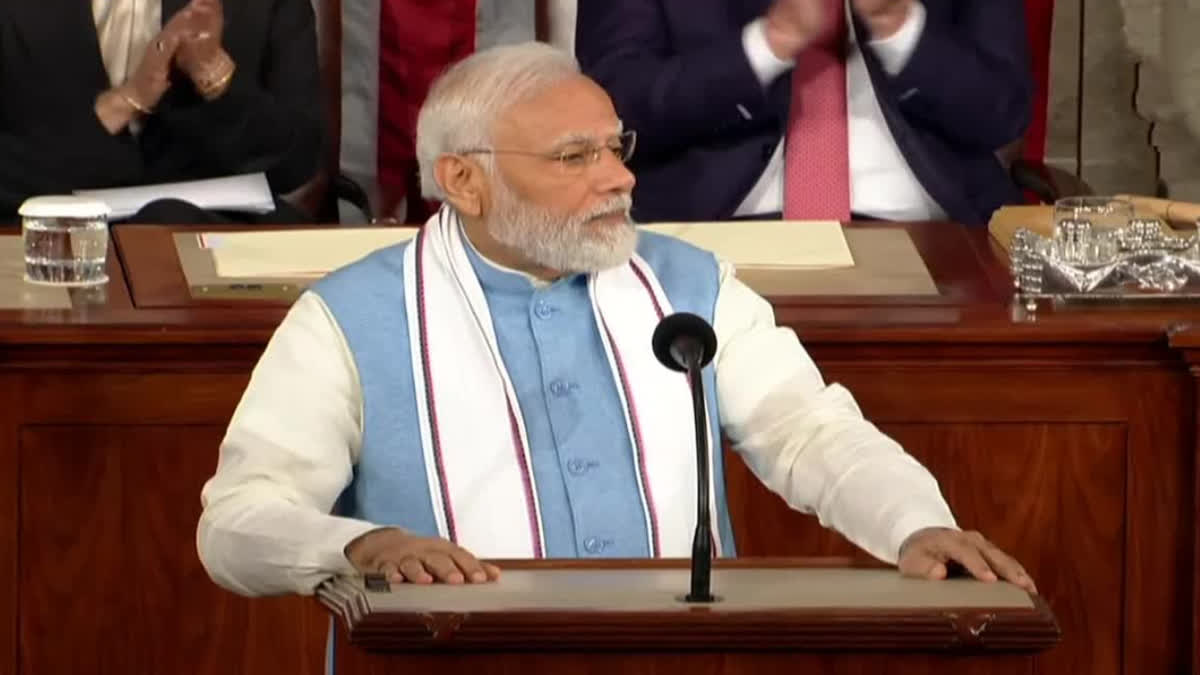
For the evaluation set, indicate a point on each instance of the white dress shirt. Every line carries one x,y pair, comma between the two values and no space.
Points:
124,29
881,183
293,442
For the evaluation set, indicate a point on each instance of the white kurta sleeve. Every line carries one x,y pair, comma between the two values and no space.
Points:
286,457
808,441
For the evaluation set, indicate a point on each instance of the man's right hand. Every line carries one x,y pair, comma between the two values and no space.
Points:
791,25
401,557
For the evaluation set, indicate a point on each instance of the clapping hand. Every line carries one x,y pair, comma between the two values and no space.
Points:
201,54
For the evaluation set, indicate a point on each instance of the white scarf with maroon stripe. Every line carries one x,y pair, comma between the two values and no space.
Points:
477,453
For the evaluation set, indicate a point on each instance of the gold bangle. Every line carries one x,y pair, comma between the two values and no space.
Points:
134,104
211,90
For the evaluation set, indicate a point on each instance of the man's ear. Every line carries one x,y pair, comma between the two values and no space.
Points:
463,182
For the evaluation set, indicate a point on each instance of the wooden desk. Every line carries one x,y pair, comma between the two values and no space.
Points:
1069,440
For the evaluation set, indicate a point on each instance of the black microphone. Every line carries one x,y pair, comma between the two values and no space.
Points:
685,342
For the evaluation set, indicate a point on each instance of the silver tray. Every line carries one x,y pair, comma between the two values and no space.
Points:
1143,261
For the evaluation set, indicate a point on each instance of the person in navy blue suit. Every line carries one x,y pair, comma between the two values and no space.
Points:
934,89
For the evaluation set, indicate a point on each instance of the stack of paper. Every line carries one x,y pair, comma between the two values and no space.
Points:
290,254
249,193
768,243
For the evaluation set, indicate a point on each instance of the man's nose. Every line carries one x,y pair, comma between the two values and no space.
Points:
611,174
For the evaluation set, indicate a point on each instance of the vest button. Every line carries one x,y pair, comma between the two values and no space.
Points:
593,545
577,467
560,388
543,310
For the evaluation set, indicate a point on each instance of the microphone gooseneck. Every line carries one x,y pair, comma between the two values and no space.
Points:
685,342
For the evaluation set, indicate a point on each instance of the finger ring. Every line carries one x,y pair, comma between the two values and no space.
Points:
159,45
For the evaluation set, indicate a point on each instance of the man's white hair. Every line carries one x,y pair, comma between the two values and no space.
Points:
465,102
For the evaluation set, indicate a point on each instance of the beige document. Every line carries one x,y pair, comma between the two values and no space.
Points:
886,263
296,253
316,252
768,243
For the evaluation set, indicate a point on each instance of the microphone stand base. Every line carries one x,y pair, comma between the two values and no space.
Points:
698,601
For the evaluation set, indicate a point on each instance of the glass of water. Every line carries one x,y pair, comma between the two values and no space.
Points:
65,240
1102,213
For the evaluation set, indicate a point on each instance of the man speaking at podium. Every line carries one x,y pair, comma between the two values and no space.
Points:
489,390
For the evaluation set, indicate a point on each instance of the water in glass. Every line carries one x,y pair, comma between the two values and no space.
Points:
65,251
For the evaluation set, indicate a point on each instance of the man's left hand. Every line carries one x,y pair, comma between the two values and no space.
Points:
883,17
927,553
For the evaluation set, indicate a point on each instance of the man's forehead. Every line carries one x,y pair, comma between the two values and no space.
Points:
575,109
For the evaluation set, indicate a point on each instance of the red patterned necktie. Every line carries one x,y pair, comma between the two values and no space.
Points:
816,157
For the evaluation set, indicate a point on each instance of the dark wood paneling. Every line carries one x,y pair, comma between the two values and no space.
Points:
110,580
1037,490
1001,390
1187,340
10,410
66,397
1159,520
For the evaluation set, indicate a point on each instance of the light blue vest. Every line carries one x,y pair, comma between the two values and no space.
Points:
582,456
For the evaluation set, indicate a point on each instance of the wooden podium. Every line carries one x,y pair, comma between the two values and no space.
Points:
616,617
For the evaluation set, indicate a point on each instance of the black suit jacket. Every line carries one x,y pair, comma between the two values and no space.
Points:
679,75
51,72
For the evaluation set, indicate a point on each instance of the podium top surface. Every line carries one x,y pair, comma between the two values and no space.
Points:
621,605
658,590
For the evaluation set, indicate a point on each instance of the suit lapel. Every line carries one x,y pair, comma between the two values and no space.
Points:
942,188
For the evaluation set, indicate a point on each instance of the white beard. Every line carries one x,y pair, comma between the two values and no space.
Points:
572,244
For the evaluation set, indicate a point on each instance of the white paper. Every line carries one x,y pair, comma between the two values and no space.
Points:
767,243
289,254
248,193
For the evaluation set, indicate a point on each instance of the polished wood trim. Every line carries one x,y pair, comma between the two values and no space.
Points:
958,630
678,662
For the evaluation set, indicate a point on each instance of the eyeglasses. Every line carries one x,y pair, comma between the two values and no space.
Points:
575,157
